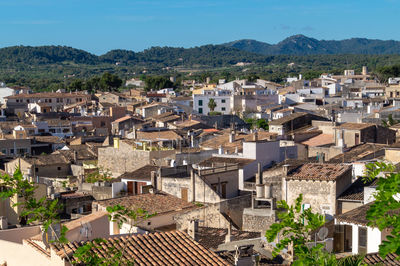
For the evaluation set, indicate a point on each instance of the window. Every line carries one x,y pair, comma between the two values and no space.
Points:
4,151
36,170
362,240
200,110
223,101
49,100
27,100
102,123
200,102
11,151
223,109
59,168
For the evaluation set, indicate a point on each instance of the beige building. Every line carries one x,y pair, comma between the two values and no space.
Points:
320,184
54,100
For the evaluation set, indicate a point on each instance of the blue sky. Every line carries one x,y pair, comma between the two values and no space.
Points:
99,25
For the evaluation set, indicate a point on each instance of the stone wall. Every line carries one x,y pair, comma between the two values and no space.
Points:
126,159
257,220
208,216
214,214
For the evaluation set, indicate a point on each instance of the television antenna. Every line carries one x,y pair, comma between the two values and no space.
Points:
86,230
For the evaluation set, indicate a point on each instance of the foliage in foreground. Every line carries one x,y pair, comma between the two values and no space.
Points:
384,213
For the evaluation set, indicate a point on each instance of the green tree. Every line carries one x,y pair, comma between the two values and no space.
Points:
157,83
110,82
384,213
76,85
389,122
212,104
262,123
294,228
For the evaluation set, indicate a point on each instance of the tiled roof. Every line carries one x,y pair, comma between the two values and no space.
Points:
223,140
49,159
356,191
286,119
49,139
319,140
319,171
213,237
375,259
158,203
355,126
225,160
360,152
167,248
122,119
143,173
83,152
48,95
158,135
355,216
58,122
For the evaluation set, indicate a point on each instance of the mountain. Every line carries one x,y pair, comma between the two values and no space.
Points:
40,55
303,45
206,55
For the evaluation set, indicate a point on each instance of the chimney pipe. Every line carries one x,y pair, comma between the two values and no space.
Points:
228,237
232,136
193,183
153,177
193,228
255,136
75,156
260,180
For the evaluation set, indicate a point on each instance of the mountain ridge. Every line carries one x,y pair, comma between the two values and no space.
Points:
302,45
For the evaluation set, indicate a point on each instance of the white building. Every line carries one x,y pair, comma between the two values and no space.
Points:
4,92
202,97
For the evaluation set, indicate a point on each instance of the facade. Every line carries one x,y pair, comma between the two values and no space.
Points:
320,184
222,99
55,101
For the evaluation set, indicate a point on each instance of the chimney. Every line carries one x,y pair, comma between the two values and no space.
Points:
216,125
228,237
75,156
220,150
134,133
255,136
259,173
232,137
193,228
153,177
193,183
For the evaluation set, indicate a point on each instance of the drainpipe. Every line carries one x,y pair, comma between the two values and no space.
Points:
193,184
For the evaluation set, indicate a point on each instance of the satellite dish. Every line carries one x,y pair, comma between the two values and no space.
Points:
322,233
86,230
52,234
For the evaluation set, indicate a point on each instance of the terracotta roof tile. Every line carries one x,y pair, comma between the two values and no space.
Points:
356,191
319,172
358,215
167,248
143,173
287,118
213,237
374,259
225,160
320,140
355,126
223,140
159,203
48,95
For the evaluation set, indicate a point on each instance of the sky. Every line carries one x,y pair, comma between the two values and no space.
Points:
98,26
